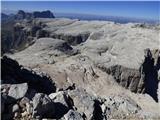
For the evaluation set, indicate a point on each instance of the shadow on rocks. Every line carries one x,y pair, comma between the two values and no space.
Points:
150,71
13,73
60,110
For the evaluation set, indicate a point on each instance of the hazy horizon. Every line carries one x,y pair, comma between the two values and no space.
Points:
139,10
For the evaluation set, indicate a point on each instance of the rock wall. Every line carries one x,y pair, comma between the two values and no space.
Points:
144,80
72,39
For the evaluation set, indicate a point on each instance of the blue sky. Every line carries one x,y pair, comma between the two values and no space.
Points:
142,9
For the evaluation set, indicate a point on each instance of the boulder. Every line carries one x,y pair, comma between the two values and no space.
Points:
62,103
73,115
26,107
43,106
118,106
16,91
83,102
15,108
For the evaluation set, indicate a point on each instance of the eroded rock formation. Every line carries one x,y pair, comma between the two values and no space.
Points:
142,80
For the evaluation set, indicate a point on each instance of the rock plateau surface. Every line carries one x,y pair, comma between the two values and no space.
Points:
92,70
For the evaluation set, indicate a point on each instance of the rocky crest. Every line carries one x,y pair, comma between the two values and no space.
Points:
25,15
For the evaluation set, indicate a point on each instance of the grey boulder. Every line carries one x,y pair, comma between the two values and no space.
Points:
62,103
119,107
43,106
18,91
15,91
84,102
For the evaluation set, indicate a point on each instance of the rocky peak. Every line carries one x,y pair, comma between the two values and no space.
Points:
20,15
26,15
43,14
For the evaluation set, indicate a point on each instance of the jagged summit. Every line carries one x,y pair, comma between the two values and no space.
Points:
26,15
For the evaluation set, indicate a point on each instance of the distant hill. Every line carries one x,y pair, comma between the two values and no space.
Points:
4,16
79,16
27,15
115,19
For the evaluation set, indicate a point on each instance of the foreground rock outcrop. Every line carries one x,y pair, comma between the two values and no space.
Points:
13,73
24,100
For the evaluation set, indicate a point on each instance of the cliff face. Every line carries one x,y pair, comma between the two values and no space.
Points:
14,36
142,80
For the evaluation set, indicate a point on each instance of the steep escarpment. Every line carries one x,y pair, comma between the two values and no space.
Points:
72,39
142,80
128,78
14,34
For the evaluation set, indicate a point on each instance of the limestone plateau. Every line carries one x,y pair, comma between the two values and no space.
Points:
68,69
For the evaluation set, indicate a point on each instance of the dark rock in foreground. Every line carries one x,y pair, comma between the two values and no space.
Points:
43,106
71,104
13,73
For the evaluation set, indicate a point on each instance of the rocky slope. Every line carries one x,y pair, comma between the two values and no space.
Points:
24,97
13,35
101,70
